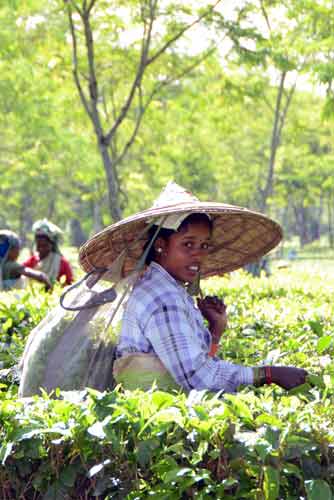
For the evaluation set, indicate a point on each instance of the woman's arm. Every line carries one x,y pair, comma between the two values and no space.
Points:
183,353
181,350
286,377
214,311
38,276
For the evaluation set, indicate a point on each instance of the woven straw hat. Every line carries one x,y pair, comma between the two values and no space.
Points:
240,236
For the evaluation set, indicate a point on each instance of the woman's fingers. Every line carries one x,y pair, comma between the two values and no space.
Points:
211,303
212,299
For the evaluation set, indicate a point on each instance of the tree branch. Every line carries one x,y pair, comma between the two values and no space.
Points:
265,15
104,105
147,39
182,32
180,75
93,87
286,107
145,61
274,143
75,63
139,74
275,136
113,141
133,135
268,103
77,8
157,88
90,6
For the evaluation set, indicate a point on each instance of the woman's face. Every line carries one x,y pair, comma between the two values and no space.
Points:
13,253
43,246
183,254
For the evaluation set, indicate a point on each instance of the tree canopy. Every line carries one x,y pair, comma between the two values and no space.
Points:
102,102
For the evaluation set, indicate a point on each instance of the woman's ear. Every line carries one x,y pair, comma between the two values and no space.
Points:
159,246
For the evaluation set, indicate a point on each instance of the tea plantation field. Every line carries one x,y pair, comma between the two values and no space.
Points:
261,443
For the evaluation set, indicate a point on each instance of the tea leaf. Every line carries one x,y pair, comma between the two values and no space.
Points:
318,489
324,343
5,451
271,483
97,468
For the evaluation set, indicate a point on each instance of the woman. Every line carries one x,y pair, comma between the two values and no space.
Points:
48,257
10,270
163,337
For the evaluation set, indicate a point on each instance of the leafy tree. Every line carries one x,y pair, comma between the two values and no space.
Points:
49,160
266,41
306,166
116,90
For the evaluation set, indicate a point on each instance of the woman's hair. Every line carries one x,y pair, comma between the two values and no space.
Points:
195,218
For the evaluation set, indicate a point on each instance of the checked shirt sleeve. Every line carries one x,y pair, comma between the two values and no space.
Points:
184,354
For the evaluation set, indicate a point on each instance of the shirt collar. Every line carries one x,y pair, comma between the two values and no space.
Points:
156,267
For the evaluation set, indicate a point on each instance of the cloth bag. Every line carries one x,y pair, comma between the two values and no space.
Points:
74,348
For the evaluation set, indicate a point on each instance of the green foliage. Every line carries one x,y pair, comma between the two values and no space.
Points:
20,311
208,129
261,443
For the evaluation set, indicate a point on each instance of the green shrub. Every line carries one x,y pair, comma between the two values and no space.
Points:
263,443
20,312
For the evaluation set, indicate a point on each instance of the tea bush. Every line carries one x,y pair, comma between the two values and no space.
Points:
20,311
261,443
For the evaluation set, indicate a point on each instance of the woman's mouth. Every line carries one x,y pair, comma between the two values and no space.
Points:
194,268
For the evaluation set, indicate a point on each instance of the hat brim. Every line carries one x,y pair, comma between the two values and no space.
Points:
240,236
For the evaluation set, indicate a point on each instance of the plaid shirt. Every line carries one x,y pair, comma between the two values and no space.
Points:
161,318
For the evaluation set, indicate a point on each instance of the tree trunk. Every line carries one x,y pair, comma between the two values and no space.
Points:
51,207
113,188
313,218
26,220
301,224
330,221
281,110
314,230
97,217
78,236
90,90
274,143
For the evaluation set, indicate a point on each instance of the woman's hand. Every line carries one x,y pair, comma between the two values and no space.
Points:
38,276
214,310
47,283
288,376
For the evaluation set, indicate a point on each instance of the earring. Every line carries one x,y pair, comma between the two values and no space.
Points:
159,250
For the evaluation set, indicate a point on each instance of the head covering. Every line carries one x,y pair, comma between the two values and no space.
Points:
44,227
173,221
239,235
8,240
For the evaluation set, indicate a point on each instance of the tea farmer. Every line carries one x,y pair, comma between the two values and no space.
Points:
163,337
48,257
10,270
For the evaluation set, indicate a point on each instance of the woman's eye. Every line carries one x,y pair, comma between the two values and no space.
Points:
188,244
205,246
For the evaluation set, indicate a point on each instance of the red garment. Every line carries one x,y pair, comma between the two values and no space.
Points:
64,268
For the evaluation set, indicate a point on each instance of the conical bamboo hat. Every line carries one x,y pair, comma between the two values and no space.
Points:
240,236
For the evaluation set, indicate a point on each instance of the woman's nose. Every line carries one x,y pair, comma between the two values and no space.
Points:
200,252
